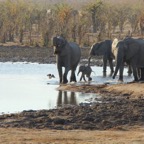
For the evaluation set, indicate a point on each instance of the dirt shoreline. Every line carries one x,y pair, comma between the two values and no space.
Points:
131,90
118,119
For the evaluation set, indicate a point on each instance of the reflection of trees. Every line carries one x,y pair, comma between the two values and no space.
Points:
64,98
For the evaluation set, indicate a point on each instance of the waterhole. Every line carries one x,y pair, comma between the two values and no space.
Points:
26,86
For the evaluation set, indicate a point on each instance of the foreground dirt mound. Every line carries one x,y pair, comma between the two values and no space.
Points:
106,112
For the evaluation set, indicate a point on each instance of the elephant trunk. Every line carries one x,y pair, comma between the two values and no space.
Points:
119,61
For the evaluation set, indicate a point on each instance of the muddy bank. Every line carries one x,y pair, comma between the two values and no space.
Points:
108,112
23,53
16,53
129,91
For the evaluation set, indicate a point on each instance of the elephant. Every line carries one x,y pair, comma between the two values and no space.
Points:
68,56
103,48
85,70
114,51
130,50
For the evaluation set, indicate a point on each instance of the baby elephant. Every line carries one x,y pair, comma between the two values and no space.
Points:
85,70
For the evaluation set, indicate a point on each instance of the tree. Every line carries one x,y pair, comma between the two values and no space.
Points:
93,9
122,12
63,13
133,18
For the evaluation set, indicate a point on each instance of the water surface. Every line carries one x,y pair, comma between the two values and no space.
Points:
25,86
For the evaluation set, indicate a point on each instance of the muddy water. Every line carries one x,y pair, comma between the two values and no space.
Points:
25,86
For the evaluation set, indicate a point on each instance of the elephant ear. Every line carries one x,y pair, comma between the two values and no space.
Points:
62,41
93,49
131,48
103,48
54,41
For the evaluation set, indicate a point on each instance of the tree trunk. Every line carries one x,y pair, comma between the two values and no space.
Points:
94,21
21,36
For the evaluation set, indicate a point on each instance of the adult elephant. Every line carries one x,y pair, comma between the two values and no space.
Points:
115,51
103,48
132,51
68,56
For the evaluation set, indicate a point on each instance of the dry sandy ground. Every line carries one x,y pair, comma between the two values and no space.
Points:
33,136
126,135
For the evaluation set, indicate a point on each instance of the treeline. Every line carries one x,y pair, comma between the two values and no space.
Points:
28,22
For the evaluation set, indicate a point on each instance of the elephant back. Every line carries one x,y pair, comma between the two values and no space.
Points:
75,52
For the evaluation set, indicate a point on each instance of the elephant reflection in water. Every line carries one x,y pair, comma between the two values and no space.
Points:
64,98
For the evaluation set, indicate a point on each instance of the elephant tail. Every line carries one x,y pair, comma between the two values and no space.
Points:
119,62
116,70
89,60
78,73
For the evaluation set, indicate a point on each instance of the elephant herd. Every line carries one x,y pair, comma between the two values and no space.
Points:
129,51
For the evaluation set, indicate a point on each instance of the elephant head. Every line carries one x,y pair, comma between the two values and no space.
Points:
93,51
103,49
59,44
126,50
97,49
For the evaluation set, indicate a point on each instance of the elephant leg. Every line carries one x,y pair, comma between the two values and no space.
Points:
65,75
88,76
104,74
111,66
142,74
81,77
135,73
139,72
121,73
60,73
104,64
89,79
129,70
73,77
84,78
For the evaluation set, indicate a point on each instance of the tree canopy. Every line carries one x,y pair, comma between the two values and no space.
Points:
36,22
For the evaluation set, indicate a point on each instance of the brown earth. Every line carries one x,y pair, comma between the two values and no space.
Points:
117,117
